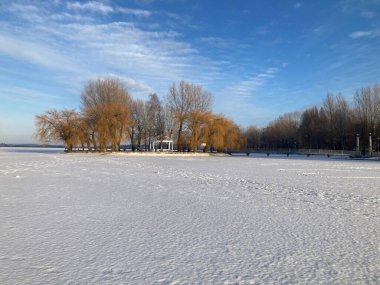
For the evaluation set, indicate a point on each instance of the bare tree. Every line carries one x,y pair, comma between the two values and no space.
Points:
338,114
169,122
313,127
254,137
155,119
182,100
366,108
179,103
139,115
282,132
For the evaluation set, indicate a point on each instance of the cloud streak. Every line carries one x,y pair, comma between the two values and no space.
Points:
92,6
247,87
364,34
28,95
368,14
135,12
35,53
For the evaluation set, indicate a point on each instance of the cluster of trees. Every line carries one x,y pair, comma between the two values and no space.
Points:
109,116
334,125
189,108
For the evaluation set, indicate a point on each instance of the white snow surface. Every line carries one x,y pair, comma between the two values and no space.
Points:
167,219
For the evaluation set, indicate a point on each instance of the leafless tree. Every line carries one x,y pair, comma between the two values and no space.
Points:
283,131
169,122
155,119
183,99
366,110
253,136
338,116
313,127
139,117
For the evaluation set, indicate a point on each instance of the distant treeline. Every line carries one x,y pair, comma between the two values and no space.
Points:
334,125
31,145
109,116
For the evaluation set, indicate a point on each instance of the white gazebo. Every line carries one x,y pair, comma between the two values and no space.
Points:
164,145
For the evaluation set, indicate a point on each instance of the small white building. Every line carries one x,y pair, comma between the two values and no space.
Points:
164,145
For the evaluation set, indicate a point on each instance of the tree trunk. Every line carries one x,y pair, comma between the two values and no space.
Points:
179,140
133,139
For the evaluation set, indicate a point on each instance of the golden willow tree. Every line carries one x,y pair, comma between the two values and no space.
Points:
223,134
106,108
104,120
57,125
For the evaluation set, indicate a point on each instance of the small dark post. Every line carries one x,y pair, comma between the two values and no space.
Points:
357,144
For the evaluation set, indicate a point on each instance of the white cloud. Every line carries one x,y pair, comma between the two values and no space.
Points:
35,53
28,12
360,34
95,6
222,43
121,45
137,86
85,47
26,95
245,88
244,97
23,8
92,6
364,34
368,14
135,12
64,16
132,85
297,5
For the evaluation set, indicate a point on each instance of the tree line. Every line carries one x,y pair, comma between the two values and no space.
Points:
109,117
335,125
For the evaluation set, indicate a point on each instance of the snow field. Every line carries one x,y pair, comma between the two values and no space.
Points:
121,219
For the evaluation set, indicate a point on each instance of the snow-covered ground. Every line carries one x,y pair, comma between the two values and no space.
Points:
166,219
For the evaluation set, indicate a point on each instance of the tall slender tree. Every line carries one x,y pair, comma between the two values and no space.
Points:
367,112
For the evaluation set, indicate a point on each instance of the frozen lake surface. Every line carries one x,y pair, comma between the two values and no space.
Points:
127,219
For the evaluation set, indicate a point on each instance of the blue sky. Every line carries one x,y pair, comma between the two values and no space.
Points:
259,59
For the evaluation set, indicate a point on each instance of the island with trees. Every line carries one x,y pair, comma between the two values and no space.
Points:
109,117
